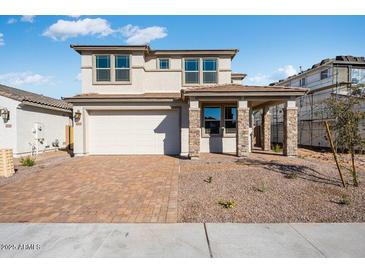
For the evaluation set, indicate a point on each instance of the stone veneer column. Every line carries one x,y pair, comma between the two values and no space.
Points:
194,129
243,129
266,129
290,138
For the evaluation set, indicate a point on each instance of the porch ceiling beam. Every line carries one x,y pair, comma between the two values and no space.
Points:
268,104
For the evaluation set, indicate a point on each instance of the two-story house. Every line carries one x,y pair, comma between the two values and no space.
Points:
333,76
136,100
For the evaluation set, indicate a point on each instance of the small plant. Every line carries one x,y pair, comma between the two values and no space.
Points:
262,188
292,175
27,161
227,204
209,180
344,200
277,148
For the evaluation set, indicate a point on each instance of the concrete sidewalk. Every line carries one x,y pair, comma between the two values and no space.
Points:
182,240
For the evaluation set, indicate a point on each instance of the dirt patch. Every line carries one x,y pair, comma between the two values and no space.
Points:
266,188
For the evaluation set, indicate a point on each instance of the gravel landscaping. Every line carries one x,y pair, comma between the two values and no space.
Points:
42,161
267,188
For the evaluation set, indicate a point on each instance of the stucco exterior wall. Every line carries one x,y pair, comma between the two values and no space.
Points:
8,133
145,75
218,144
53,125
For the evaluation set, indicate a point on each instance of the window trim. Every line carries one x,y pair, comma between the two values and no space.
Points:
184,71
159,64
204,133
328,74
216,70
112,68
301,82
225,133
115,68
222,129
200,61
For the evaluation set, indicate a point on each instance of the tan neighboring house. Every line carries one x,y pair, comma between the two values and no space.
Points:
137,100
330,77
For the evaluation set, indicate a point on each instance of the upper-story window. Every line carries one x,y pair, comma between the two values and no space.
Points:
164,63
122,68
209,71
357,76
324,74
191,71
103,68
302,82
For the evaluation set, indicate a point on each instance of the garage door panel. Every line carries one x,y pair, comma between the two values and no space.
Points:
134,132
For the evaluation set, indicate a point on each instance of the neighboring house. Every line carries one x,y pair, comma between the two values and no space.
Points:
330,76
136,100
32,123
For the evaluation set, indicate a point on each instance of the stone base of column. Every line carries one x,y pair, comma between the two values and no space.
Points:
194,133
266,129
243,132
290,139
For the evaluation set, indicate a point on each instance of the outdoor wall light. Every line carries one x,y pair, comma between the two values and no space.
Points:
5,114
77,115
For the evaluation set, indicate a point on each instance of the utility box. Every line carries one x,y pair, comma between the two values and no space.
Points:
6,163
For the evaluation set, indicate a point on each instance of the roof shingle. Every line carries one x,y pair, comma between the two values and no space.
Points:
26,96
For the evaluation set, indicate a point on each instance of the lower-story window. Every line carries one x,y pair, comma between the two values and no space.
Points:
212,120
230,119
219,117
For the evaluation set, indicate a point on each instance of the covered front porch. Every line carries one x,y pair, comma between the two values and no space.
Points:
221,118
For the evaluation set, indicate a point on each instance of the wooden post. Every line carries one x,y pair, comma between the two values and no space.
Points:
334,152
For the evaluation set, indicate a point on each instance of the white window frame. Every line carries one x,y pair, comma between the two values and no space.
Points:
110,68
159,63
216,70
115,68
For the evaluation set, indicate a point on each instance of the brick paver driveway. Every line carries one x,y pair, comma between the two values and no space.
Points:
95,189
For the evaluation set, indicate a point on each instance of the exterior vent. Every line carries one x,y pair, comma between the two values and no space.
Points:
6,163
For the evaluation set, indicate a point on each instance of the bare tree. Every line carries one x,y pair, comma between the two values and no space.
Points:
345,114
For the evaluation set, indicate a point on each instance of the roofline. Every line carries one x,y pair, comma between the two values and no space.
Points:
328,63
80,48
238,75
229,52
146,48
39,105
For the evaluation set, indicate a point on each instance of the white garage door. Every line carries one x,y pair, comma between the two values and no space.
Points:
134,132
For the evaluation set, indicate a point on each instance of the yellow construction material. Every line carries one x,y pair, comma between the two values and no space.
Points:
6,163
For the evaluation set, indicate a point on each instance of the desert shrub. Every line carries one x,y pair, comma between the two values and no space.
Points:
262,188
344,200
27,161
292,175
227,204
277,148
209,180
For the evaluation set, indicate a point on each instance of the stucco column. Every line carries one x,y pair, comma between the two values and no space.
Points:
266,129
243,129
290,140
194,129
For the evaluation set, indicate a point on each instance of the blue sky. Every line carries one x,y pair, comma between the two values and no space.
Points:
35,53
